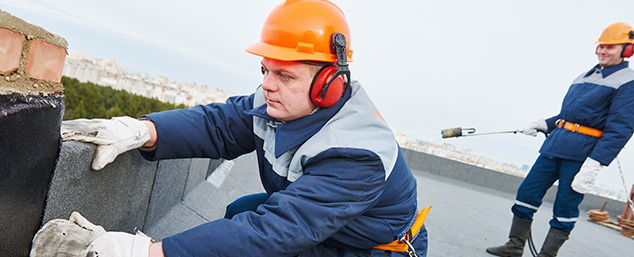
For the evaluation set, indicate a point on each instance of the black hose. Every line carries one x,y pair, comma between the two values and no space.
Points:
531,245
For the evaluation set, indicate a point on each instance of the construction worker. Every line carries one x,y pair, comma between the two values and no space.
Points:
595,122
336,181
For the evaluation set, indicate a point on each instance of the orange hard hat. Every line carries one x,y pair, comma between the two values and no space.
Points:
617,33
301,30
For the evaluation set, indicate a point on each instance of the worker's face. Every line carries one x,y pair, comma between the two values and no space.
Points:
609,55
286,87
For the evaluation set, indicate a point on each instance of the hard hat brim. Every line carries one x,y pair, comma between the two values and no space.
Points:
613,42
290,54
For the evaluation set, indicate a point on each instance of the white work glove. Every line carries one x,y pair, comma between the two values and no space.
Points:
584,180
112,137
532,128
79,237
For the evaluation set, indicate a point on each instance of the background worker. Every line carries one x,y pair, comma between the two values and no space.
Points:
336,182
595,122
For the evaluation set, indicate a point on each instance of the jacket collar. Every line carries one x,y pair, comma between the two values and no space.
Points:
293,133
608,70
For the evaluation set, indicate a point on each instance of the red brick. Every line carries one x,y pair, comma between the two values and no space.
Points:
45,61
10,50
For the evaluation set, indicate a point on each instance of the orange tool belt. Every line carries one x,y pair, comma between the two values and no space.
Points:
403,244
574,127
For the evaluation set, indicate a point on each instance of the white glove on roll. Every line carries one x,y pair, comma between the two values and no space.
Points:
584,180
532,128
112,137
79,237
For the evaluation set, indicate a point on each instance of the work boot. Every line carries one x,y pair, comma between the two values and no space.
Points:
553,242
517,238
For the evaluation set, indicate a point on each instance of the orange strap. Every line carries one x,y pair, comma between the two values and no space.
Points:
574,127
398,245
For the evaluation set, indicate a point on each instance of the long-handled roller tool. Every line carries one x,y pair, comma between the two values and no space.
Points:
459,132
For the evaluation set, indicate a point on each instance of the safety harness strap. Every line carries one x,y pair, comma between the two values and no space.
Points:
402,244
574,127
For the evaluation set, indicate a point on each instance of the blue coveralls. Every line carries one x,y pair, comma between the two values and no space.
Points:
600,98
336,181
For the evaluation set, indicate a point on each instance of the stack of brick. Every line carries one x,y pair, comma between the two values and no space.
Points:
31,58
31,109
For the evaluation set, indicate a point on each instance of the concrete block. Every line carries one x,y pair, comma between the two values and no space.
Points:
178,219
459,171
478,176
116,197
213,164
211,202
502,182
208,201
45,61
168,190
10,51
197,173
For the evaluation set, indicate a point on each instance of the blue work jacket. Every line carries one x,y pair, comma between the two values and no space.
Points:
602,99
336,178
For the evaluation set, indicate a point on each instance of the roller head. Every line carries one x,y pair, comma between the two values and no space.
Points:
451,132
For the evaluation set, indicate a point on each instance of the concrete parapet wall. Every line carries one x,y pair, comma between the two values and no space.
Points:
496,180
134,193
128,193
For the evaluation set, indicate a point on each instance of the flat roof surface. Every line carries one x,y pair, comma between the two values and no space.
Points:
466,219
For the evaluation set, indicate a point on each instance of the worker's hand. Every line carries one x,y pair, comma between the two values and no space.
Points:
79,237
584,180
532,128
112,137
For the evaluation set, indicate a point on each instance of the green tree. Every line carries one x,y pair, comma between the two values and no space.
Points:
87,100
79,111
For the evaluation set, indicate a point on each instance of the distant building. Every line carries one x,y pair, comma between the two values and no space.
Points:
107,73
450,151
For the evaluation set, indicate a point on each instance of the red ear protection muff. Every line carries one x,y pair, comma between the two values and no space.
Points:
628,50
331,82
323,93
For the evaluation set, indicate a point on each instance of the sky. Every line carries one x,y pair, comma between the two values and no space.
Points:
493,65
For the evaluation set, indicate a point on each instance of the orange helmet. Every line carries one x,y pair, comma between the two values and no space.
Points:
301,30
617,33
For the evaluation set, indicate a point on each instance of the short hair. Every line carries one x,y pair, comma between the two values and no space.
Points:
315,66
